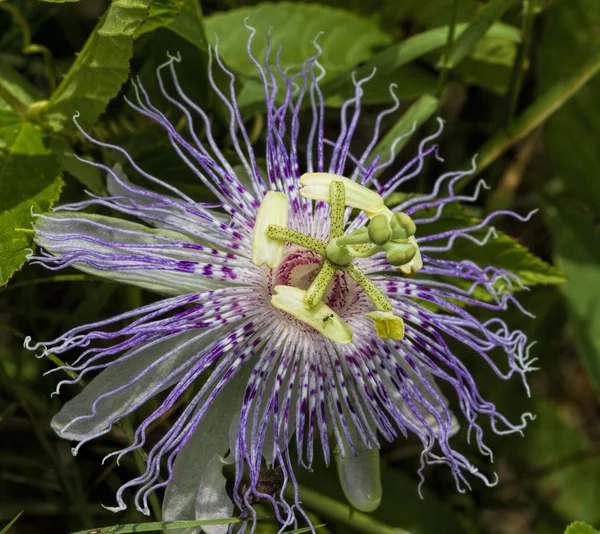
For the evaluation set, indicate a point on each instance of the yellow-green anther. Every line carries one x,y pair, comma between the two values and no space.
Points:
337,196
379,230
321,317
280,233
371,290
388,325
315,185
402,226
317,289
399,253
273,210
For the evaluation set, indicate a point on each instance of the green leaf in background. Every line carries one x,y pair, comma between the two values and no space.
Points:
577,253
402,53
14,85
564,469
490,60
431,13
165,526
347,39
88,175
161,14
580,528
573,134
189,24
417,114
101,67
28,179
8,527
477,28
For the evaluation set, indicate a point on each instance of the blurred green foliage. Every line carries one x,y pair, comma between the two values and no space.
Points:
515,80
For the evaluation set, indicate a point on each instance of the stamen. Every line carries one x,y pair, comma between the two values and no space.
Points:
319,285
337,195
321,317
373,292
284,235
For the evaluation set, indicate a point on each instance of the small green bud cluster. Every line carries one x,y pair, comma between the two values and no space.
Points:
384,233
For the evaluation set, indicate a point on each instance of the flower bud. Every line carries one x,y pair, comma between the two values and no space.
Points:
379,230
402,226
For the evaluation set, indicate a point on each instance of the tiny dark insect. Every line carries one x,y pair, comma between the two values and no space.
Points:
328,317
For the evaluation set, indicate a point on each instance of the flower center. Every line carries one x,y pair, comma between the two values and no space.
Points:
313,272
300,267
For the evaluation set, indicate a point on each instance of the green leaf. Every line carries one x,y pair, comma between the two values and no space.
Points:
8,527
559,454
28,180
347,40
432,13
412,81
161,526
570,32
417,114
580,528
404,52
101,67
17,86
189,24
88,175
161,14
477,28
578,255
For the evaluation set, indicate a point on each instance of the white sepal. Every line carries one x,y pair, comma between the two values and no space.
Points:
273,210
315,185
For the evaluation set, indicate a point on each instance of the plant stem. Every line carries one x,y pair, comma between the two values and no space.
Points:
448,49
518,71
328,508
535,115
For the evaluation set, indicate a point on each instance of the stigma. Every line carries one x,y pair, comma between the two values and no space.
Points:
387,232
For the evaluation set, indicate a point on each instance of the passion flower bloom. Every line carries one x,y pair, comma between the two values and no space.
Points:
298,309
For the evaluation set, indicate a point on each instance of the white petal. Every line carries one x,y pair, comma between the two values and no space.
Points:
95,238
210,438
360,476
118,375
123,187
273,210
212,500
